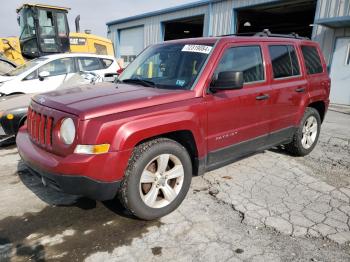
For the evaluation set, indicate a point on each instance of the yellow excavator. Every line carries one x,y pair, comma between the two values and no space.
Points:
44,30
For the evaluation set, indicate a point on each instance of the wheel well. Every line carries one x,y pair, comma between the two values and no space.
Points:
21,122
186,139
320,107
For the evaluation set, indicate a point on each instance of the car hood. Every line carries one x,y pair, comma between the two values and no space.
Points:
15,101
90,101
5,78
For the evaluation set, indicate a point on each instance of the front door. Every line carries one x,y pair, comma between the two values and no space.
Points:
238,120
59,71
340,72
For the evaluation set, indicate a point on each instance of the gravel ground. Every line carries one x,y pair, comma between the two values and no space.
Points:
267,207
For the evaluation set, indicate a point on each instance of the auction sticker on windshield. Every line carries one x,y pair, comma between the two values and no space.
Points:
197,49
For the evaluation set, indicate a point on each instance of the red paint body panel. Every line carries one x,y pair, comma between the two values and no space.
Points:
124,115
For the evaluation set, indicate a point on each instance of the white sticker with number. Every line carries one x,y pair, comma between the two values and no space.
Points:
197,49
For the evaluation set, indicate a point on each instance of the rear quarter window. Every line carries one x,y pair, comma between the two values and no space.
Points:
106,63
312,60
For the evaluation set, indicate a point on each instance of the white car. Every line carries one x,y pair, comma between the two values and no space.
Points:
47,73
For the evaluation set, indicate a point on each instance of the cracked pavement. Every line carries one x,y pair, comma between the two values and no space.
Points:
267,207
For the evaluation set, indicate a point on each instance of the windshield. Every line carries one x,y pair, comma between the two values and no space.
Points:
169,66
26,23
27,66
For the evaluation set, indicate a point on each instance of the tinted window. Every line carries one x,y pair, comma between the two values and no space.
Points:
284,61
247,59
89,64
312,60
59,67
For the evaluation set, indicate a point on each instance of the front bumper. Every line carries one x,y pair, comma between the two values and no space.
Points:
94,176
77,185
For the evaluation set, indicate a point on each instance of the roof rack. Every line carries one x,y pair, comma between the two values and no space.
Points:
267,33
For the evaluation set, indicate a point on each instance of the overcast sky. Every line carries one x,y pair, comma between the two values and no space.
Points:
94,13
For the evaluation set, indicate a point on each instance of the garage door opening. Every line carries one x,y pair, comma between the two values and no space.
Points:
184,28
284,18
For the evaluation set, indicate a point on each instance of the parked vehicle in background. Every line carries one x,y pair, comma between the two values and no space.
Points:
181,108
13,109
6,66
47,73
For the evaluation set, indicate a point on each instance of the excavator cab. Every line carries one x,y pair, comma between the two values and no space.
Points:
43,30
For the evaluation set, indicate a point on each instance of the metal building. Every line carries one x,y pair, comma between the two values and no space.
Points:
325,21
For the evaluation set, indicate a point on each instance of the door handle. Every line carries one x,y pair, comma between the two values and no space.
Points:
300,90
263,97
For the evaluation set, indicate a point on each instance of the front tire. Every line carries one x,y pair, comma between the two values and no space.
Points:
307,134
157,179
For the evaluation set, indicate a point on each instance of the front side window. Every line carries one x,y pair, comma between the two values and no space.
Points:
168,66
59,67
246,59
284,61
312,60
89,64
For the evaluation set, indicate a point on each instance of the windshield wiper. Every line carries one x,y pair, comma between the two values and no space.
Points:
140,81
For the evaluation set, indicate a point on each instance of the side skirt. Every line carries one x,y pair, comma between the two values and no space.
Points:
230,154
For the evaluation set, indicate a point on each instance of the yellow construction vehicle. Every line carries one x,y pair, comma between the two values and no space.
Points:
44,30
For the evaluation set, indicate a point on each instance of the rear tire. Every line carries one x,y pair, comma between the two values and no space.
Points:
307,134
157,179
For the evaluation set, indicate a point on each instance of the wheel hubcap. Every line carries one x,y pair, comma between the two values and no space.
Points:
161,180
310,130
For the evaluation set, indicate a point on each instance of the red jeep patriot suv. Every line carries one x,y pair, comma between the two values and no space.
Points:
181,108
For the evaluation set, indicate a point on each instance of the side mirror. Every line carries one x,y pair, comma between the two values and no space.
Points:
228,80
43,75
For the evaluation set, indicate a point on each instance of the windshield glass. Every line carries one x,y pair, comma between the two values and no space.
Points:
26,23
169,66
27,66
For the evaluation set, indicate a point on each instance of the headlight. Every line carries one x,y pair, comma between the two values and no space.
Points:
67,131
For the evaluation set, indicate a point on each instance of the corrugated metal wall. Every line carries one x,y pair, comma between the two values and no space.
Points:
327,36
222,21
152,25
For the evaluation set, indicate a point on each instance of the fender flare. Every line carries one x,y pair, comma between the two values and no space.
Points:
132,133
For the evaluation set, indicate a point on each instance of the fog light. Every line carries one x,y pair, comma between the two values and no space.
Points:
92,149
10,116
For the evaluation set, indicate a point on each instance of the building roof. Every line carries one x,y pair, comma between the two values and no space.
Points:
162,11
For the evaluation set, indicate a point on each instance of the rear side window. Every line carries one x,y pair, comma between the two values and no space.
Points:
106,62
312,60
284,61
89,64
247,59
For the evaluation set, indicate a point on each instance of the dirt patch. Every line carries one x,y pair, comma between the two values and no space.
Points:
83,229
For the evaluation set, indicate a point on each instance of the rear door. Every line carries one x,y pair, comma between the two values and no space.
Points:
289,89
238,120
91,64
